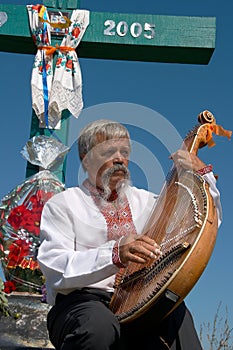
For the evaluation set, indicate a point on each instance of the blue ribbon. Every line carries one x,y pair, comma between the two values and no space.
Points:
44,80
44,76
46,93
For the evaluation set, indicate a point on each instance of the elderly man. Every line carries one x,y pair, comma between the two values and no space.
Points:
88,233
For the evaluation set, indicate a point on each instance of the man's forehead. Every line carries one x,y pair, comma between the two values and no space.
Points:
124,142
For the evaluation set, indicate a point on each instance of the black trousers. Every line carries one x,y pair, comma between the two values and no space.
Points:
83,321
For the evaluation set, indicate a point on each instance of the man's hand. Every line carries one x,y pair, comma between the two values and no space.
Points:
184,159
138,248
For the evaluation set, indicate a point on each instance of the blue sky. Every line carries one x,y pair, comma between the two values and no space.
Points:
177,92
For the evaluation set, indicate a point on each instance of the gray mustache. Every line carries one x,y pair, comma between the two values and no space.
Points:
117,167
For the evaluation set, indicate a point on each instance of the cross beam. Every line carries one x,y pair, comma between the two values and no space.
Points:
157,38
178,39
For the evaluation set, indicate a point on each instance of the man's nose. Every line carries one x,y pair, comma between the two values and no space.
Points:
118,158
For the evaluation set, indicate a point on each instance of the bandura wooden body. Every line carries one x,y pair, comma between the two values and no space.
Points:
184,223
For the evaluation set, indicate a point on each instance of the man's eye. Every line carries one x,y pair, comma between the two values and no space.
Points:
108,153
125,153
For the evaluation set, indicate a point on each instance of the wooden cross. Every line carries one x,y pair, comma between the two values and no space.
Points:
157,38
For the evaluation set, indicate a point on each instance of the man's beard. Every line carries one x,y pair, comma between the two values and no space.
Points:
106,176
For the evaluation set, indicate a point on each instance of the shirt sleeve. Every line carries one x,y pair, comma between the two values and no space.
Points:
63,266
209,177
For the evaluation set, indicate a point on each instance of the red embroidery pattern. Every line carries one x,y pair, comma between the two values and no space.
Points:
207,169
117,213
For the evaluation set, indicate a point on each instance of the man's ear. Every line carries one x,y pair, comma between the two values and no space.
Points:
85,162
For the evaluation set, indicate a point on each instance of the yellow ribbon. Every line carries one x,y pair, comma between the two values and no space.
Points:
54,25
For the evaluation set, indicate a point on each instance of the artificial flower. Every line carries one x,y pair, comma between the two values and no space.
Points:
9,287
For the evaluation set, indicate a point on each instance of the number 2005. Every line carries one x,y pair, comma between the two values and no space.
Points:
135,29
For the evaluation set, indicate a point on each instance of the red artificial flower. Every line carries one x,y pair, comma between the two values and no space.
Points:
16,216
17,251
41,197
35,204
31,223
9,287
22,217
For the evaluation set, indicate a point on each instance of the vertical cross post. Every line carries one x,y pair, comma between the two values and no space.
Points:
62,133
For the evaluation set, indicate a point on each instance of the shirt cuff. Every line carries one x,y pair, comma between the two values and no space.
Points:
115,255
207,169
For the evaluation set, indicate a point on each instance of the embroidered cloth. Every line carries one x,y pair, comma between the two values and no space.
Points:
117,213
57,88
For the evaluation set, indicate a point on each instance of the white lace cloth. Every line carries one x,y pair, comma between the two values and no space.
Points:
62,84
